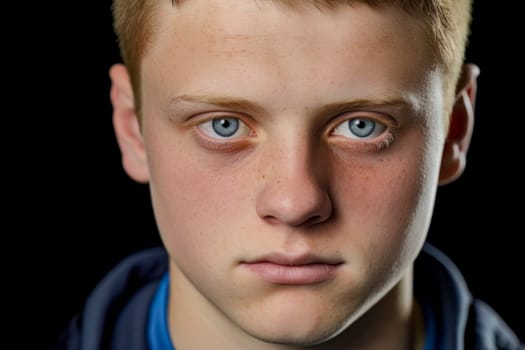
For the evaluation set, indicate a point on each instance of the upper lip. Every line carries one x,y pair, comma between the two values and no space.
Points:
294,260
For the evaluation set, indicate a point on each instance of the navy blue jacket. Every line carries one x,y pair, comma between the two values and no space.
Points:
116,313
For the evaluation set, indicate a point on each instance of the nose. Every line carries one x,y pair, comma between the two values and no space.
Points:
294,192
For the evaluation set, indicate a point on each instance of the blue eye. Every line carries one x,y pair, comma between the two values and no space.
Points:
360,128
224,128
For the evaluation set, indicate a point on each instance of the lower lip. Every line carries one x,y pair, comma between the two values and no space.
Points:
293,274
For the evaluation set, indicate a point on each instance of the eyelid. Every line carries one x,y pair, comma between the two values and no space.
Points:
217,143
207,128
385,119
203,117
377,142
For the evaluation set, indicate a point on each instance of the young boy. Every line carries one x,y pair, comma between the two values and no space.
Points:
293,150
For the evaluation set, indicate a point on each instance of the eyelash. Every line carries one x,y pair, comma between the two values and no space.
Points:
204,128
210,126
381,141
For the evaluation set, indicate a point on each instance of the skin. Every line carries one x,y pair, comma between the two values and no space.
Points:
293,180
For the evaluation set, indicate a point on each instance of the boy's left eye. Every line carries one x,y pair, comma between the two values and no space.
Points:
224,128
360,128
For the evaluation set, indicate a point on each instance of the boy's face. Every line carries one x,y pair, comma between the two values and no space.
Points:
293,157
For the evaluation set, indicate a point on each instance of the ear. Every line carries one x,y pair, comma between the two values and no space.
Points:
460,126
127,126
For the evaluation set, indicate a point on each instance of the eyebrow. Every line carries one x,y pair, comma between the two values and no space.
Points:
222,101
381,103
334,108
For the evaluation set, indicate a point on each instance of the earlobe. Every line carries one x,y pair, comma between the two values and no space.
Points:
460,128
126,125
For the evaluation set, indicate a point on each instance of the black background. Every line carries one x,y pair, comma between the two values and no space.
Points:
77,214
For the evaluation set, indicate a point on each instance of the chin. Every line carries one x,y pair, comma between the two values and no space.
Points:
297,336
298,341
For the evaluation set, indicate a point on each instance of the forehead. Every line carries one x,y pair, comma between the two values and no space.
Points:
203,42
233,25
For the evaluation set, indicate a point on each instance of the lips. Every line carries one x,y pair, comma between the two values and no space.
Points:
293,270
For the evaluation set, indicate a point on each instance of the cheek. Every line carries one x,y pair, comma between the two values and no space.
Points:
387,203
197,201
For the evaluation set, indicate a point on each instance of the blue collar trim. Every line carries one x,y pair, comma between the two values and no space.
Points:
158,331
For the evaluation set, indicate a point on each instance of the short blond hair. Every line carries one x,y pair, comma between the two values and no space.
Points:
448,28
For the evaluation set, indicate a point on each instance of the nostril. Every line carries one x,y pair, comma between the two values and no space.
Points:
317,219
271,219
314,220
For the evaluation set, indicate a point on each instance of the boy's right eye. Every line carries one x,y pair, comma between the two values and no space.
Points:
225,128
